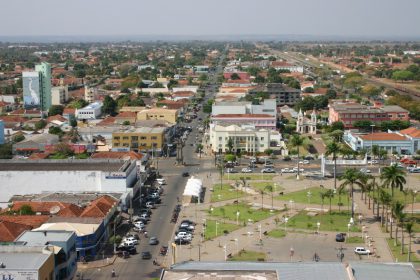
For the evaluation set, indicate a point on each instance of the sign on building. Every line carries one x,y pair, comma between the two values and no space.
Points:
31,89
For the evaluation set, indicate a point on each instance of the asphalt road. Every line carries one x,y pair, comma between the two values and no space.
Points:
160,225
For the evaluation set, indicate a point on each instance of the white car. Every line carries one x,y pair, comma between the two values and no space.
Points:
246,170
305,161
361,251
373,161
365,170
286,170
295,169
183,234
130,240
139,225
128,243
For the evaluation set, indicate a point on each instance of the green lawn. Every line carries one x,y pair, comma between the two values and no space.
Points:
248,256
315,197
396,251
238,176
227,192
228,212
221,228
261,186
277,233
335,221
398,195
354,239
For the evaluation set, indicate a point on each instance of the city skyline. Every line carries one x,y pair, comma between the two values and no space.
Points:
331,19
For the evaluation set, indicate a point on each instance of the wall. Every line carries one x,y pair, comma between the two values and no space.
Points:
1,132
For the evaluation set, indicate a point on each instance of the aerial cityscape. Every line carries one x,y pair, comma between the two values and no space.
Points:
222,140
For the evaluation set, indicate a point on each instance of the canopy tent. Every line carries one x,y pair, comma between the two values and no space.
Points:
193,187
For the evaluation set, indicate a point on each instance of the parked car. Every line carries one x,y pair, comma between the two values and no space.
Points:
163,250
161,181
133,235
414,170
185,174
340,237
231,170
153,241
286,170
130,239
186,226
146,255
365,170
361,251
268,170
130,249
246,170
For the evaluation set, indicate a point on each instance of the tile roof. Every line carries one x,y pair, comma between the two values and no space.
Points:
9,231
383,136
36,156
43,207
70,211
99,208
412,131
27,220
106,121
69,111
118,155
56,118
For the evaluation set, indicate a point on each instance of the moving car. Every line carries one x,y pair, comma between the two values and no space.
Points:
246,170
361,251
268,170
146,255
365,170
153,241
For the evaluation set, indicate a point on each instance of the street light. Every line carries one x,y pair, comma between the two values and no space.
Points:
285,223
260,228
309,194
224,251
237,245
371,145
217,223
348,230
237,217
318,225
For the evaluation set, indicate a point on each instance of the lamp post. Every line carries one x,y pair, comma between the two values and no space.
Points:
285,223
237,217
309,194
225,251
237,245
348,230
260,229
217,224
318,225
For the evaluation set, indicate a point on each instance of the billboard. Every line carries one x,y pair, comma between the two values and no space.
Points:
18,275
31,89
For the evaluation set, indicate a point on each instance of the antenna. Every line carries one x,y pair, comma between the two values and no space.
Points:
54,210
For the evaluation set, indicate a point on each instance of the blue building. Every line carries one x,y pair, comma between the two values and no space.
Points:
1,132
64,248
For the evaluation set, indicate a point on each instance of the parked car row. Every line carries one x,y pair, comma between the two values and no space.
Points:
185,232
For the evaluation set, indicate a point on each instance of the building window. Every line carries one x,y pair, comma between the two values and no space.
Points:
143,137
116,144
262,138
154,137
125,138
134,138
116,137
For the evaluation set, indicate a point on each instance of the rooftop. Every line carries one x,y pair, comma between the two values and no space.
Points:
383,136
39,238
26,260
109,165
79,228
242,116
412,131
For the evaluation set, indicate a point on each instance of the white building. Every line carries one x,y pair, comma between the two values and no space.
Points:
245,138
268,106
59,95
92,111
89,94
185,88
305,125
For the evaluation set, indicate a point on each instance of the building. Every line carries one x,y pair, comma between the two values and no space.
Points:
93,175
350,112
201,69
391,142
35,143
283,94
413,134
291,271
267,107
179,95
59,95
20,262
37,87
89,94
244,138
241,75
139,139
264,121
283,65
168,115
305,125
2,141
64,242
90,112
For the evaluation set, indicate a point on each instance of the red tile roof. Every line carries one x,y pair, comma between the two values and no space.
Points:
33,221
383,136
43,207
36,156
183,93
56,118
70,211
106,121
9,231
118,155
99,208
412,131
280,64
69,111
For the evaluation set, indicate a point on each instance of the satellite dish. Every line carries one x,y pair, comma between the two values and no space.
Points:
54,210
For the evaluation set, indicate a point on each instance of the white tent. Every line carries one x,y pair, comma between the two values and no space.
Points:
193,187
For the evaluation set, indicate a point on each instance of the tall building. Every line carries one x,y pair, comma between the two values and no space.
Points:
37,87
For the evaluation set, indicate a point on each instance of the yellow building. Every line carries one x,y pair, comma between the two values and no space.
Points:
168,115
137,139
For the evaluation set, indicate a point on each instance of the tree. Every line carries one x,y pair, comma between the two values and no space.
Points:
55,130
230,157
78,104
340,191
402,75
354,82
351,177
262,192
297,141
18,138
40,124
270,189
55,110
26,209
63,149
230,144
6,151
235,76
385,199
333,149
330,195
109,105
393,177
409,229
73,121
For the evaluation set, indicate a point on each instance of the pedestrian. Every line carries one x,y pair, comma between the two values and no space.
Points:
113,273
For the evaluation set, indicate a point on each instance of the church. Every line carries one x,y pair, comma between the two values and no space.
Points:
305,125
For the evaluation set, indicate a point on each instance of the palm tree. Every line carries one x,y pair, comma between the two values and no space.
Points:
397,210
329,194
333,149
270,189
262,199
409,230
340,191
385,199
370,189
297,141
323,195
364,180
375,151
383,155
351,178
393,177
413,194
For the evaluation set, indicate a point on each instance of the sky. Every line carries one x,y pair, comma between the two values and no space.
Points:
347,18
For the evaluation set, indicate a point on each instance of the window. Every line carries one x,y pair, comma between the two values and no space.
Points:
117,144
134,138
262,138
143,137
116,137
220,138
154,137
125,138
